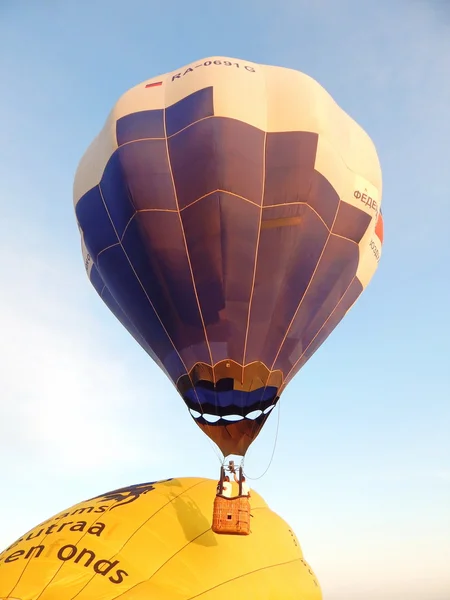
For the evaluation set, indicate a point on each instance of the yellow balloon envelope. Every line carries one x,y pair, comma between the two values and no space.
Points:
154,541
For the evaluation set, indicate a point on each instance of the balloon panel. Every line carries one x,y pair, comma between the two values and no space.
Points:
230,229
154,540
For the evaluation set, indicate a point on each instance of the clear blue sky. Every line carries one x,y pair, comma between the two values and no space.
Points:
362,463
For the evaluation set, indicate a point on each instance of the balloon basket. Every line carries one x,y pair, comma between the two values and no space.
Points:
231,515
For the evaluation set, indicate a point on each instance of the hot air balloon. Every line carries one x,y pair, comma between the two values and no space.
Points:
230,216
153,540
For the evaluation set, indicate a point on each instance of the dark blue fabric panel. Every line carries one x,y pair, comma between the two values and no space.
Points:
155,245
95,223
96,280
231,398
122,283
140,125
145,166
116,195
189,110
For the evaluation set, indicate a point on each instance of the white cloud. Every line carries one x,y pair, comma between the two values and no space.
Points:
64,394
83,409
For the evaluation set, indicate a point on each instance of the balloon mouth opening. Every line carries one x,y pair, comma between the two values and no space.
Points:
216,419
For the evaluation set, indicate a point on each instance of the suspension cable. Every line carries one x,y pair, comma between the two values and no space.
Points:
273,449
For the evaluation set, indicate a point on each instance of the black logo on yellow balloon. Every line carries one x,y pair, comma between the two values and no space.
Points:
126,495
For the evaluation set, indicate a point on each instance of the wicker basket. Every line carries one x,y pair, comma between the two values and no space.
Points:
231,515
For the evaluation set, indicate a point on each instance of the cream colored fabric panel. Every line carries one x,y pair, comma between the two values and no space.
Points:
273,99
299,103
349,139
351,187
175,86
93,162
239,87
140,97
342,140
330,163
362,156
87,259
370,254
295,101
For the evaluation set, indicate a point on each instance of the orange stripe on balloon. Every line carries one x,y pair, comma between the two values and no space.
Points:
379,227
